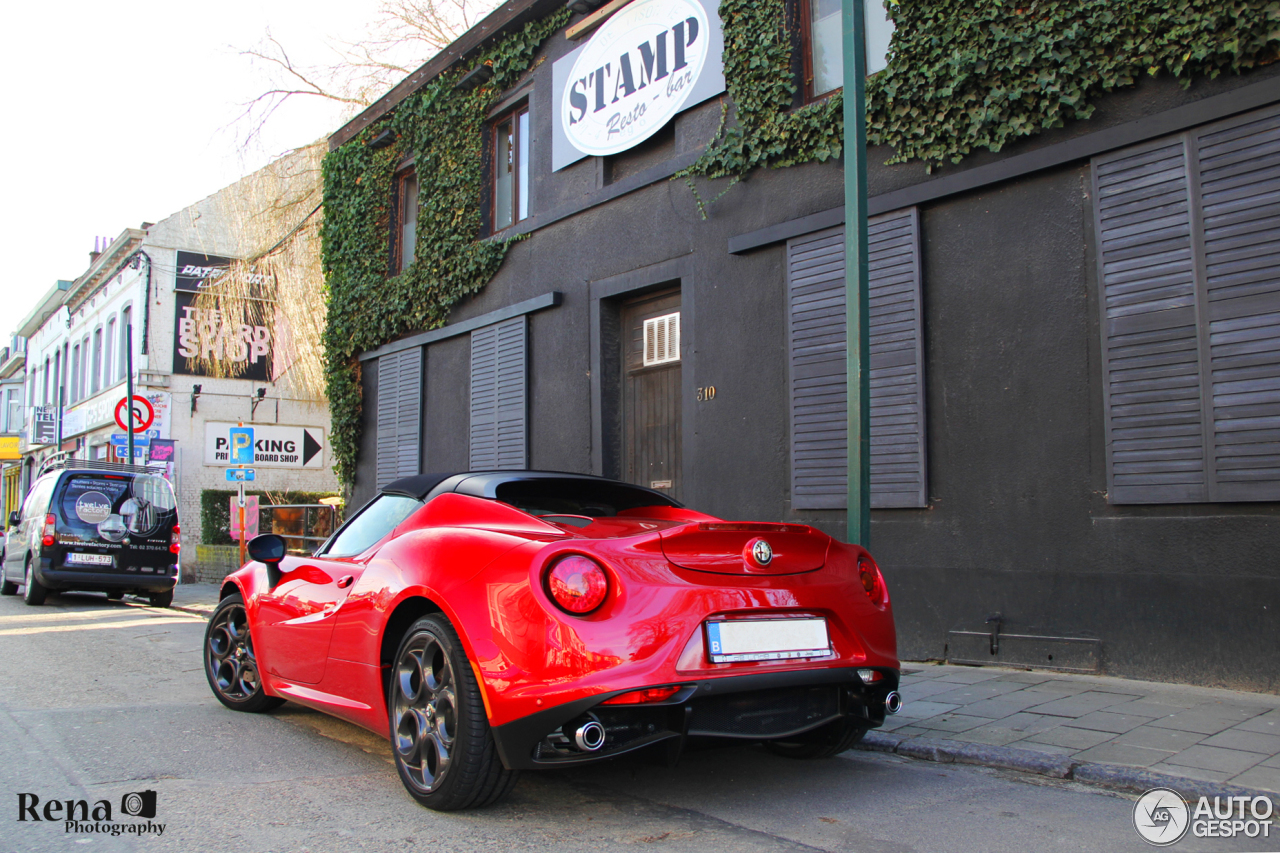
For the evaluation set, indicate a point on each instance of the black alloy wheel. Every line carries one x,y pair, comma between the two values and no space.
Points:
440,737
229,661
823,742
35,592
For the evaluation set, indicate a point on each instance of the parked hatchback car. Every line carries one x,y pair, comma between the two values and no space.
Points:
94,526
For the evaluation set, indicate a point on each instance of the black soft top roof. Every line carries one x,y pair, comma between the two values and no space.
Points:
486,484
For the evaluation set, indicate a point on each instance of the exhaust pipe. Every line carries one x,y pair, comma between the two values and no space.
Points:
893,702
589,737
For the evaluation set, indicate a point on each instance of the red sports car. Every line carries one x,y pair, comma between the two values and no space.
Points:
493,622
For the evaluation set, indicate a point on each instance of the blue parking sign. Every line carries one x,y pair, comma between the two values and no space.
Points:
242,445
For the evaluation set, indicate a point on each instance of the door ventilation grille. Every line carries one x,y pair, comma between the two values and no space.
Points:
662,339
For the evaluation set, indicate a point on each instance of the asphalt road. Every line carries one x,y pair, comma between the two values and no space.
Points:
101,699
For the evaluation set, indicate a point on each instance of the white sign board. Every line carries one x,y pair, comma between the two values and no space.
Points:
651,60
274,445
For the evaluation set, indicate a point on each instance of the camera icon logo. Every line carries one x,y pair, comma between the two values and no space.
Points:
139,804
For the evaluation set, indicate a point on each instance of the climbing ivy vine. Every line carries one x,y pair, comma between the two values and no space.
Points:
961,77
441,128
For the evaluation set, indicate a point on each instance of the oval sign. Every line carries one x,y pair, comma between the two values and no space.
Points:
635,74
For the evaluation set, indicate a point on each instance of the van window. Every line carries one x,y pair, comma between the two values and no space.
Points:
97,506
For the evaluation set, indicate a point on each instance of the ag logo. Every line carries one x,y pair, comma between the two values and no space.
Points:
1161,817
762,552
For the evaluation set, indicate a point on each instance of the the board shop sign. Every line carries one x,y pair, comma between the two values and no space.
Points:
644,65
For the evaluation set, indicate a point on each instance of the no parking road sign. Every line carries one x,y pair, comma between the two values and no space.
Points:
143,414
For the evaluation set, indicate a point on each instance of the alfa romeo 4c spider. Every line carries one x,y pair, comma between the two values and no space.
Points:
488,623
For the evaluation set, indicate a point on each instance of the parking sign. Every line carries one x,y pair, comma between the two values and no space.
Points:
242,445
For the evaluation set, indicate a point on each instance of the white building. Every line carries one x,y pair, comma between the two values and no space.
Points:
144,283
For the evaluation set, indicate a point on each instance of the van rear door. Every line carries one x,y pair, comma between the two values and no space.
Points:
114,522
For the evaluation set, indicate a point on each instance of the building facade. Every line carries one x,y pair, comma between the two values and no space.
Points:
141,289
1075,347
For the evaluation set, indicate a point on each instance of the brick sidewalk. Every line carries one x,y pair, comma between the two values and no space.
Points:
1216,736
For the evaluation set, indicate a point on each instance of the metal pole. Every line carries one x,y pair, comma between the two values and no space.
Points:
244,535
128,394
856,289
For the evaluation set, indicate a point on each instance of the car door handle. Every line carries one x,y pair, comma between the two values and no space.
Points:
345,581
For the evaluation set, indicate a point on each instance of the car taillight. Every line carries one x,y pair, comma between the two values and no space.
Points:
643,697
872,581
175,539
50,528
577,584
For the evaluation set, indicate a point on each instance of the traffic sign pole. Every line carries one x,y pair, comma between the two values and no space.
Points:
240,503
128,394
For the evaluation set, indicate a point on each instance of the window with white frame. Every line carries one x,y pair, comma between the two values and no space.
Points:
109,367
95,384
126,319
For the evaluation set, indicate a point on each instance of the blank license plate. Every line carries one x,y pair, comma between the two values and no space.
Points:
767,639
90,559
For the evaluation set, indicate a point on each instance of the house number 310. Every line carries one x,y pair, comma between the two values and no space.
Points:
706,393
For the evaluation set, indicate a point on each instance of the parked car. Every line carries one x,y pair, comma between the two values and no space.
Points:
487,623
94,526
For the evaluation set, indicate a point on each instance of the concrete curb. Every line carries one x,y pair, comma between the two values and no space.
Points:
1113,777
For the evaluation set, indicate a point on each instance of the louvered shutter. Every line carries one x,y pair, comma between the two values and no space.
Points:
1150,348
499,382
1190,272
399,415
1239,177
819,428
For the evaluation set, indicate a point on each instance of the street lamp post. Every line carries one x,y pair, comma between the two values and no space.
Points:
853,26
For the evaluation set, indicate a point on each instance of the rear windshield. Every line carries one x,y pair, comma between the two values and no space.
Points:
570,496
111,507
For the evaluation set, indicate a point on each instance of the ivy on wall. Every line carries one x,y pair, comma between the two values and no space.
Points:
441,129
962,77
968,76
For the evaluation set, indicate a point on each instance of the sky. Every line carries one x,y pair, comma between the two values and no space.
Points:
116,114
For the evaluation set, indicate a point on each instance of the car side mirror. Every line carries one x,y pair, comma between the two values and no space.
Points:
269,549
14,518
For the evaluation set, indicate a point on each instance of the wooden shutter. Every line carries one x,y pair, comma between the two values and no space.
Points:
399,415
1239,200
499,383
819,429
1190,274
1150,347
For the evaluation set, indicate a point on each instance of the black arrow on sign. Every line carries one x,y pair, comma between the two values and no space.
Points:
310,447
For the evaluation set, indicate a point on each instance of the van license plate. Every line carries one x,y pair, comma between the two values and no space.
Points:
767,639
90,559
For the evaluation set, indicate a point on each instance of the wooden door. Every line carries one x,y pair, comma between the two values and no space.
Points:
651,392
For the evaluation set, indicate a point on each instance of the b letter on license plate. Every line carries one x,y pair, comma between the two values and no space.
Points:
734,640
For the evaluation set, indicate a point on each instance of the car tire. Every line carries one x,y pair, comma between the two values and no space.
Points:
7,587
160,599
441,742
230,664
822,742
35,592
115,595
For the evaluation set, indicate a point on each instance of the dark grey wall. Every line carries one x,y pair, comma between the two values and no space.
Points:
1018,520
